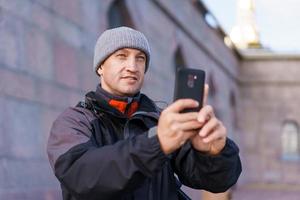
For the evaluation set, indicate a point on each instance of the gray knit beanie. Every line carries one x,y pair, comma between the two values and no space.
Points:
114,39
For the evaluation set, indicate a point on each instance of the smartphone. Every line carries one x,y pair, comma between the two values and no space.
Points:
189,84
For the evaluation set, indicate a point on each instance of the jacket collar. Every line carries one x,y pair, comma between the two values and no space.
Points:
108,96
100,101
125,105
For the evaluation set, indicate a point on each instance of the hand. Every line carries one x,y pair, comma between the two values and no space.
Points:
175,128
211,138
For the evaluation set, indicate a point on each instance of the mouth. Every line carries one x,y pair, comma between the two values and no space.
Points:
130,78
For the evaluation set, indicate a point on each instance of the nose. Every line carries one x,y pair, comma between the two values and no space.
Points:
131,64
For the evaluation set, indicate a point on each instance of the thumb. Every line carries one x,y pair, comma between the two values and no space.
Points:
205,96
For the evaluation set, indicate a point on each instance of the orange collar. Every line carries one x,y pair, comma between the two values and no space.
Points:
126,108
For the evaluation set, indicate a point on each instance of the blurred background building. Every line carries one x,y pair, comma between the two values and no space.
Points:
46,54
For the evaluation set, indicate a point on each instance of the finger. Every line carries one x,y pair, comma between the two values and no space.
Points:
205,96
171,118
182,104
186,126
217,134
205,114
184,117
209,127
186,135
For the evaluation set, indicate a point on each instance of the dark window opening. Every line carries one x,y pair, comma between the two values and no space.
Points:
118,15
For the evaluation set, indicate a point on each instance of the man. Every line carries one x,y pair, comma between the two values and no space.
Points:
117,144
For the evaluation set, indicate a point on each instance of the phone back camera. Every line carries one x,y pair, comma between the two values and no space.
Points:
190,80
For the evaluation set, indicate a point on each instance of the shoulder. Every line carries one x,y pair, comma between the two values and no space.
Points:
77,113
72,127
75,116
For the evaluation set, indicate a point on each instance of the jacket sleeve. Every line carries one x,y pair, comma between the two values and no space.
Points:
90,172
212,173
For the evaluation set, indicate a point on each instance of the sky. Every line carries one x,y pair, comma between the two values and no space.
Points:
278,21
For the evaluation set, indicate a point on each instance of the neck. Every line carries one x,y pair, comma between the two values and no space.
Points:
126,105
108,96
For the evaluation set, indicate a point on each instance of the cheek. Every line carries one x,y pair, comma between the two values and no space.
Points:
142,79
142,75
110,73
108,78
142,68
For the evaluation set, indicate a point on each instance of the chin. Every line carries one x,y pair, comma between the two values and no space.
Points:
130,92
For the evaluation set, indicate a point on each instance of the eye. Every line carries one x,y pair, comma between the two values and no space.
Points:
141,58
121,55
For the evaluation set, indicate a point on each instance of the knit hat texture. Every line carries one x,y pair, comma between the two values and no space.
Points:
114,39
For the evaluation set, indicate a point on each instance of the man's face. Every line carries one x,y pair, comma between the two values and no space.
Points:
122,73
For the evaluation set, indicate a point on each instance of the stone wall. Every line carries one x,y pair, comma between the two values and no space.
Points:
269,95
46,55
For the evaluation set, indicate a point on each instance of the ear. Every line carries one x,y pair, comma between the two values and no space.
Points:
99,70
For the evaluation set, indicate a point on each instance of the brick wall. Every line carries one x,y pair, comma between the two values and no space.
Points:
45,66
46,55
269,95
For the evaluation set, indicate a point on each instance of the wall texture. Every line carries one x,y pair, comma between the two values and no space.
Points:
46,53
269,95
45,66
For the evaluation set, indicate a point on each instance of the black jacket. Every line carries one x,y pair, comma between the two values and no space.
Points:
98,153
